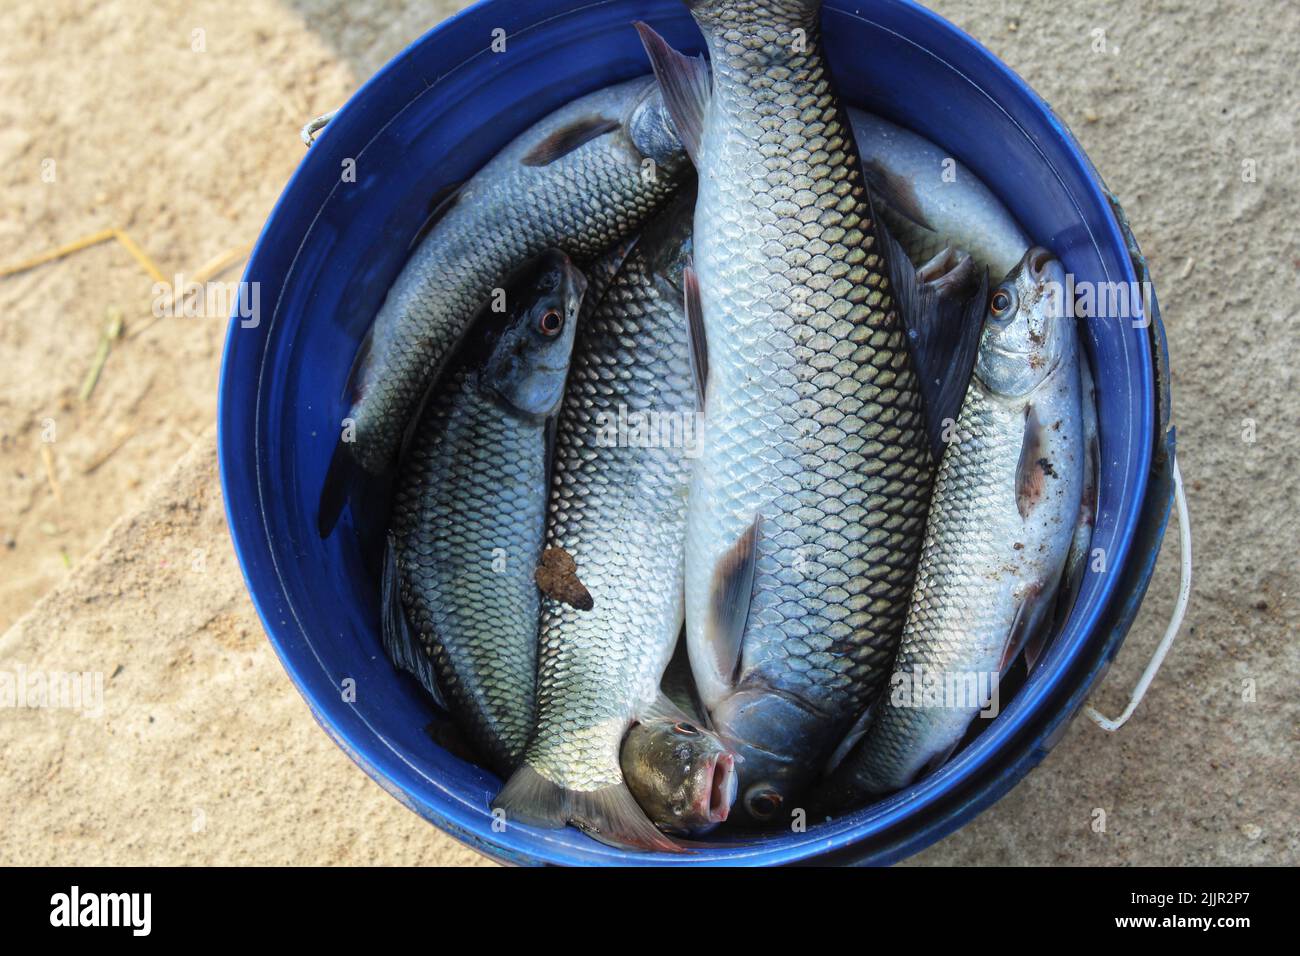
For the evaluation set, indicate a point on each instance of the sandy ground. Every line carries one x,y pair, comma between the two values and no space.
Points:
113,552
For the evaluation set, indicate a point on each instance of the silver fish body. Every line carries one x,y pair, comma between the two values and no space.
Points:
619,510
579,181
931,201
469,517
1004,514
618,506
815,435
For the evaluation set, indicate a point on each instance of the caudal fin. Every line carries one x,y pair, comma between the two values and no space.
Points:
610,815
685,82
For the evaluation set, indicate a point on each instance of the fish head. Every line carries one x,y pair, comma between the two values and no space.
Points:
651,130
680,773
773,735
529,363
1027,329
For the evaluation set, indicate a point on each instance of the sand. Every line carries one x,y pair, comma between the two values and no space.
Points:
204,752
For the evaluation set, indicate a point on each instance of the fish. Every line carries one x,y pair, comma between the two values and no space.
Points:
461,608
808,501
930,200
681,774
580,181
691,797
1003,519
618,507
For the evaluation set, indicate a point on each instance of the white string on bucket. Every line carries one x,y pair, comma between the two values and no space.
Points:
1175,622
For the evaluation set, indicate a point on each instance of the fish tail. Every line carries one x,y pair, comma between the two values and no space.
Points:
610,815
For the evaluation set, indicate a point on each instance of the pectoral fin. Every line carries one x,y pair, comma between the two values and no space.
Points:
400,641
942,307
1029,624
1034,468
569,138
695,325
895,191
610,815
733,591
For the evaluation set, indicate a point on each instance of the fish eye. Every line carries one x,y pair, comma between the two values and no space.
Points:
1001,302
550,323
763,802
685,729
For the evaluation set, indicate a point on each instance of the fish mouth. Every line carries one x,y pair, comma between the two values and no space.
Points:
1039,260
720,792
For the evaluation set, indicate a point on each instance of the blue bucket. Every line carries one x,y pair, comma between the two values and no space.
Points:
332,247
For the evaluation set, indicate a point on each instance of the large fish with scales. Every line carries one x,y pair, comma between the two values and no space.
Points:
618,506
461,607
809,500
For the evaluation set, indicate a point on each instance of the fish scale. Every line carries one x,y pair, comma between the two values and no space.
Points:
620,512
473,485
815,422
582,203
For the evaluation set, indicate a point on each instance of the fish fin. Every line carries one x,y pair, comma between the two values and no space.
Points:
733,589
942,309
1029,623
340,478
664,707
610,815
443,202
400,642
569,138
695,326
1033,468
345,472
856,733
964,321
353,391
1076,561
895,191
684,81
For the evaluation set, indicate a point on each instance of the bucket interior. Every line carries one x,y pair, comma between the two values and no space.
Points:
333,247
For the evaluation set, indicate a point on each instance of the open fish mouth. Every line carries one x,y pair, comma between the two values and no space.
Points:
720,793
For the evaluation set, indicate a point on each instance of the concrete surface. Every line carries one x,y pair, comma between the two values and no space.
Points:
204,751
